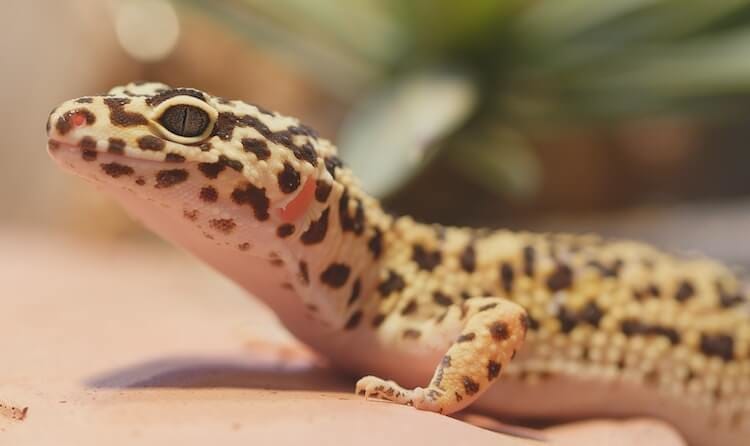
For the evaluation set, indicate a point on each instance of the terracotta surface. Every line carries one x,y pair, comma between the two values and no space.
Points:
132,344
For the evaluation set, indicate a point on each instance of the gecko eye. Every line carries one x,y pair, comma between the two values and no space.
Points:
184,119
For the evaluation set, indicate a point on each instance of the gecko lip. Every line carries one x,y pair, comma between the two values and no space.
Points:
54,144
291,208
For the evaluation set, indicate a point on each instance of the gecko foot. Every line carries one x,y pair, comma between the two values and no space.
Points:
377,388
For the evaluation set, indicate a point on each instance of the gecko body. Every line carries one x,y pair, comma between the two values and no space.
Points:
521,324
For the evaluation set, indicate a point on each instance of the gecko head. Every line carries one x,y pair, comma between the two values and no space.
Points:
183,149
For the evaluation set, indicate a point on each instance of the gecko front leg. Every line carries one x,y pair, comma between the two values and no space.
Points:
493,330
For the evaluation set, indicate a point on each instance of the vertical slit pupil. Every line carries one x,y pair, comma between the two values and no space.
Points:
185,120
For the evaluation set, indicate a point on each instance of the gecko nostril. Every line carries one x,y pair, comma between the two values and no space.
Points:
78,119
74,119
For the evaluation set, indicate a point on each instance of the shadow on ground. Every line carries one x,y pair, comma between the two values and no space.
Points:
207,372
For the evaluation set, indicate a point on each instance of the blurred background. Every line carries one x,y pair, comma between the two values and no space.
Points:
626,117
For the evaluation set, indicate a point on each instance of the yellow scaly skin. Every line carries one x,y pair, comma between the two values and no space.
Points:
614,328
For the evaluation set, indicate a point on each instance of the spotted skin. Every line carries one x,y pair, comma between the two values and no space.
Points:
473,309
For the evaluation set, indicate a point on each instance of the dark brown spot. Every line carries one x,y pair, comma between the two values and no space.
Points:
375,244
493,370
469,259
140,181
533,323
245,246
174,158
506,277
336,275
116,146
393,283
654,290
499,331
524,321
470,386
304,275
87,143
116,170
170,177
560,279
351,223
288,179
225,124
356,290
426,260
486,307
120,117
411,333
568,320
258,147
458,396
441,317
264,111
322,190
607,271
305,152
353,320
233,164
378,320
731,300
333,162
631,327
467,337
84,100
208,194
444,364
303,129
317,230
191,215
275,260
685,291
63,124
720,345
152,143
464,310
285,230
88,154
253,196
211,170
442,299
728,299
48,126
162,96
528,260
223,225
410,308
591,314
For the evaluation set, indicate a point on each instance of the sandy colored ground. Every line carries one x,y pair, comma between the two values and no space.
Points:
132,344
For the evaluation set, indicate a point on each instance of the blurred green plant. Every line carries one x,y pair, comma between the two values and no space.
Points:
474,81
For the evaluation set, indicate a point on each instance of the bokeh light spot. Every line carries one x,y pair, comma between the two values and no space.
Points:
147,29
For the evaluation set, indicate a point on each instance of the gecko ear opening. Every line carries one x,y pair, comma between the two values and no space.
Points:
299,205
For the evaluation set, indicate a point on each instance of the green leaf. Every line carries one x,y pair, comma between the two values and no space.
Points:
387,137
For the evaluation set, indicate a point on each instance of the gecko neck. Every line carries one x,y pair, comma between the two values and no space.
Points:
336,261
